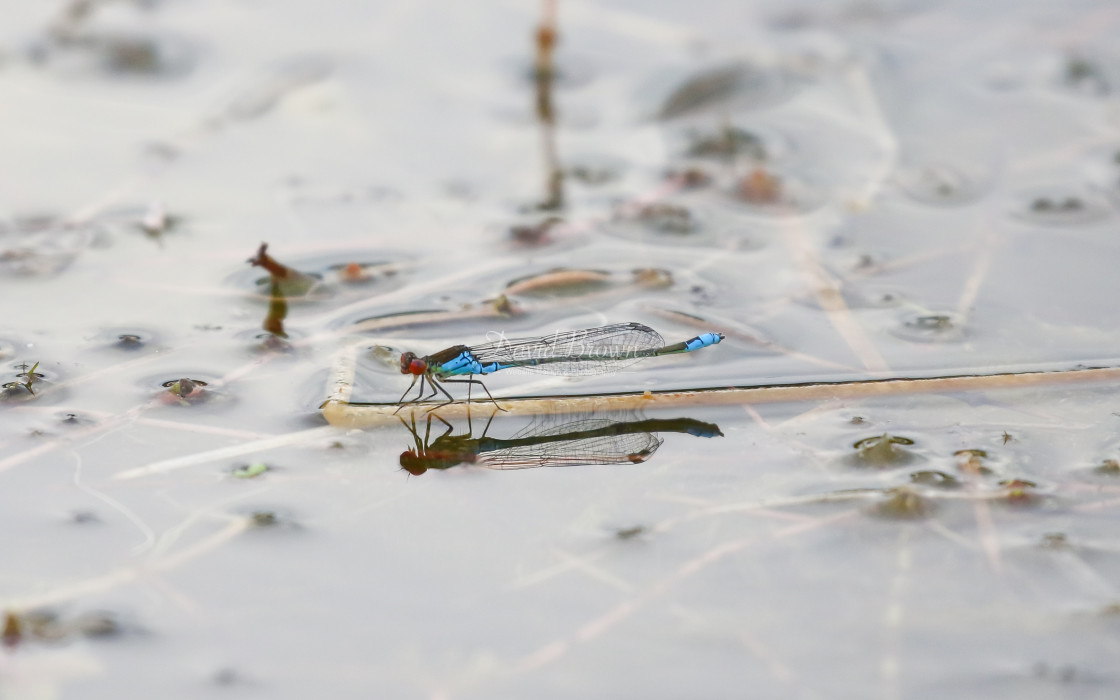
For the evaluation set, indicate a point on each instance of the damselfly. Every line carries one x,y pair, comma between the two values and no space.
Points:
587,351
588,440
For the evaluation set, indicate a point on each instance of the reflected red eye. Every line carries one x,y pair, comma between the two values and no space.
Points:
412,464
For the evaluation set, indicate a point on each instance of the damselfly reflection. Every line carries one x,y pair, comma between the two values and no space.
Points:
588,440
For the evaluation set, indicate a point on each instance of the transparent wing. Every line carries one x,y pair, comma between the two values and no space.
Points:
586,351
591,441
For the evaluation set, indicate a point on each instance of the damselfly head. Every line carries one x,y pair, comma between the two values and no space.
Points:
413,464
411,364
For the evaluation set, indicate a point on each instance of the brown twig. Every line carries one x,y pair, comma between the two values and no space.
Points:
263,259
544,75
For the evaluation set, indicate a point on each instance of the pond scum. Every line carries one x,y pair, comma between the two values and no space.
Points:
889,470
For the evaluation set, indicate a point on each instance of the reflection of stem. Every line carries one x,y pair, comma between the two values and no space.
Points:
727,138
277,311
544,74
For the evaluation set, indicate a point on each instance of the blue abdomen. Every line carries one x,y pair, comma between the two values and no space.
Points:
702,341
465,363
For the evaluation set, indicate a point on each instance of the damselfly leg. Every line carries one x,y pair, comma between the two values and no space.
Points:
435,386
468,382
401,400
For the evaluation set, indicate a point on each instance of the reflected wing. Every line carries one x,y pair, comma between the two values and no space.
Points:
591,441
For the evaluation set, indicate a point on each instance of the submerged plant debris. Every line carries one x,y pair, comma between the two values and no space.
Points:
47,626
186,391
24,385
882,451
250,471
903,503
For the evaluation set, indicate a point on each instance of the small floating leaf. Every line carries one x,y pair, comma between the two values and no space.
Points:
629,533
666,218
356,272
84,517
884,450
728,143
264,519
156,221
1019,490
184,387
560,282
250,470
47,626
936,479
1062,205
932,327
689,178
653,278
760,187
932,322
129,341
187,391
12,634
96,625
749,85
779,194
535,234
903,503
25,389
503,305
1054,540
1108,467
971,461
1085,76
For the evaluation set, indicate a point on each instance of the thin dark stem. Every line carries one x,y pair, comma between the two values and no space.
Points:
478,382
